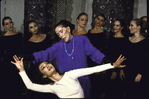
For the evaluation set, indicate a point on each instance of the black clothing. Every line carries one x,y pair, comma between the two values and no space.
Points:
98,40
115,87
31,69
137,56
12,85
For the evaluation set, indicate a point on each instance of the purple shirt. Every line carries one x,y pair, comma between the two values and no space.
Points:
82,49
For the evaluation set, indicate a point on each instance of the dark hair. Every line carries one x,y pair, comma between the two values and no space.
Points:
5,19
142,24
30,21
123,24
40,78
66,23
27,34
143,17
95,16
83,13
102,15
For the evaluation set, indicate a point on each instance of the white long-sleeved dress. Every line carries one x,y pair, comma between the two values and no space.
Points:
68,86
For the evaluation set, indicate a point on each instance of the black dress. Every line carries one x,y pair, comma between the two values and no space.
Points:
137,63
98,40
12,84
115,47
30,48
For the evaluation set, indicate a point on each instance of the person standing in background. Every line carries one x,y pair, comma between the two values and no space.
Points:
35,41
11,43
82,20
98,39
136,72
115,46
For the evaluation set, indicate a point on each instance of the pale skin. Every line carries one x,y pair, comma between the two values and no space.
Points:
82,22
8,25
134,29
117,29
99,21
36,36
63,33
48,70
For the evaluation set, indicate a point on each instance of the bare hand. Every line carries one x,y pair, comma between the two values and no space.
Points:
114,74
119,61
138,78
18,63
122,74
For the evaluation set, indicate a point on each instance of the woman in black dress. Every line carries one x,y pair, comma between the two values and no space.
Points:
35,41
98,39
97,34
115,47
137,57
11,43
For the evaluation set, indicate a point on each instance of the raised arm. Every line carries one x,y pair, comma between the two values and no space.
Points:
35,87
74,74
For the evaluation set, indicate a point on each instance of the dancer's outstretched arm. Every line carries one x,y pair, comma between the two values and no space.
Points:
32,86
87,71
18,63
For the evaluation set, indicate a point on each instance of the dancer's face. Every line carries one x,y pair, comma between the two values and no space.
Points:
8,24
133,27
99,21
82,21
33,27
47,69
63,33
117,27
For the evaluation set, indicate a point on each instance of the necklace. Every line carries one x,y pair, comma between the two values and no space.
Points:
72,48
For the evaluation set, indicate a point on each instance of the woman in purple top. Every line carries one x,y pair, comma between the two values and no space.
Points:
70,53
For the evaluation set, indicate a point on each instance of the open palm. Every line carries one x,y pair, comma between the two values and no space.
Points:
18,63
118,62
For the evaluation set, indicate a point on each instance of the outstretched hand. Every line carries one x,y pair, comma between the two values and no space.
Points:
18,63
117,63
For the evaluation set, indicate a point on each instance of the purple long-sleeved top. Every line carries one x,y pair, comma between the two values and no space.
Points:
82,49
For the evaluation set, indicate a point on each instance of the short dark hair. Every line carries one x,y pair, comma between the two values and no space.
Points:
30,21
66,23
7,17
100,14
27,34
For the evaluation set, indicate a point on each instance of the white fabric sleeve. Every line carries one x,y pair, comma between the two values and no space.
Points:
74,74
32,86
